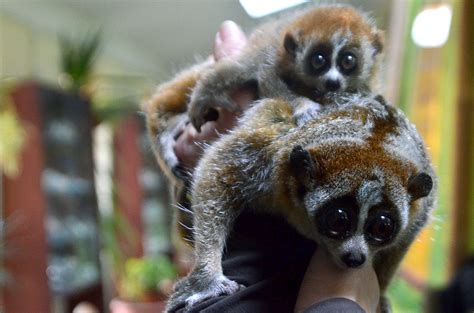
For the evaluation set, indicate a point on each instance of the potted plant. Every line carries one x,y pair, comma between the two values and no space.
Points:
78,55
144,285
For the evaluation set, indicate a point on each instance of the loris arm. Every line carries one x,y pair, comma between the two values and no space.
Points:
216,85
218,197
167,116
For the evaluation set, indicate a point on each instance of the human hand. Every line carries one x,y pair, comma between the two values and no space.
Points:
230,40
324,280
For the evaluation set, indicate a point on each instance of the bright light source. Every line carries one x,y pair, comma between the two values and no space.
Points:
431,26
259,8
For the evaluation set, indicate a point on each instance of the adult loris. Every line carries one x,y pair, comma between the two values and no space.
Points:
356,179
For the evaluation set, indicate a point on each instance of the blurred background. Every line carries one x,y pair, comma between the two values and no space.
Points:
85,216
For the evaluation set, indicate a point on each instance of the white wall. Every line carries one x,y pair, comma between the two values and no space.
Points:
27,52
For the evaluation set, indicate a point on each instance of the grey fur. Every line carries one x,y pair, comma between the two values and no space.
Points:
250,168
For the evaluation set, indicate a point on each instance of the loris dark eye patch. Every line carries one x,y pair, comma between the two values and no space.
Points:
347,63
338,219
381,228
318,60
338,223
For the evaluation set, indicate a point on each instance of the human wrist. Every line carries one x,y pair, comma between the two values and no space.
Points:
325,280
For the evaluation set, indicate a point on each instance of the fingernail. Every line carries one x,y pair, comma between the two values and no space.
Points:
229,31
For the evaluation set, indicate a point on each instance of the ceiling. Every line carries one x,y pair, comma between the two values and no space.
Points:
152,38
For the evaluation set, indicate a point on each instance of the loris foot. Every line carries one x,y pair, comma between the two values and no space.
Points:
305,110
194,289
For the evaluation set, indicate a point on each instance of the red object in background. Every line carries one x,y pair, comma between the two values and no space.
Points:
127,169
25,205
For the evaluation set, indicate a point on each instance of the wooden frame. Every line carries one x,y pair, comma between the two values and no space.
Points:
463,207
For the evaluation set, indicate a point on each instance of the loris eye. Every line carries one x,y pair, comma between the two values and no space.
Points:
381,229
348,63
338,223
318,61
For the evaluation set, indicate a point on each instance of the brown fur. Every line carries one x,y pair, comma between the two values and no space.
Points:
171,98
331,19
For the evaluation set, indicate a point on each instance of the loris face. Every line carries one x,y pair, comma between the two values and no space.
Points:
359,211
354,225
331,54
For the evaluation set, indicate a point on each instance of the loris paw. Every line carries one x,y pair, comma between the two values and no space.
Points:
218,287
305,110
181,172
192,290
203,107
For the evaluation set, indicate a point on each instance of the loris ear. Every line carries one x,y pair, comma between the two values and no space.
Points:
378,42
380,99
305,169
290,44
420,185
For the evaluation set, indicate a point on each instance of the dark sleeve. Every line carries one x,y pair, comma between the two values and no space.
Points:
335,305
269,258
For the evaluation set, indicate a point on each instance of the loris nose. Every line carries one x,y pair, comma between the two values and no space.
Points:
333,84
353,259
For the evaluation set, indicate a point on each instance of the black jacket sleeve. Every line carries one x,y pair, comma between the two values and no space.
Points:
267,256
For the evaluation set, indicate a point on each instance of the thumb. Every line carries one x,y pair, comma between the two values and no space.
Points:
230,40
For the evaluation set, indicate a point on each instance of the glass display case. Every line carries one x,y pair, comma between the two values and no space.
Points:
68,184
56,237
156,202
